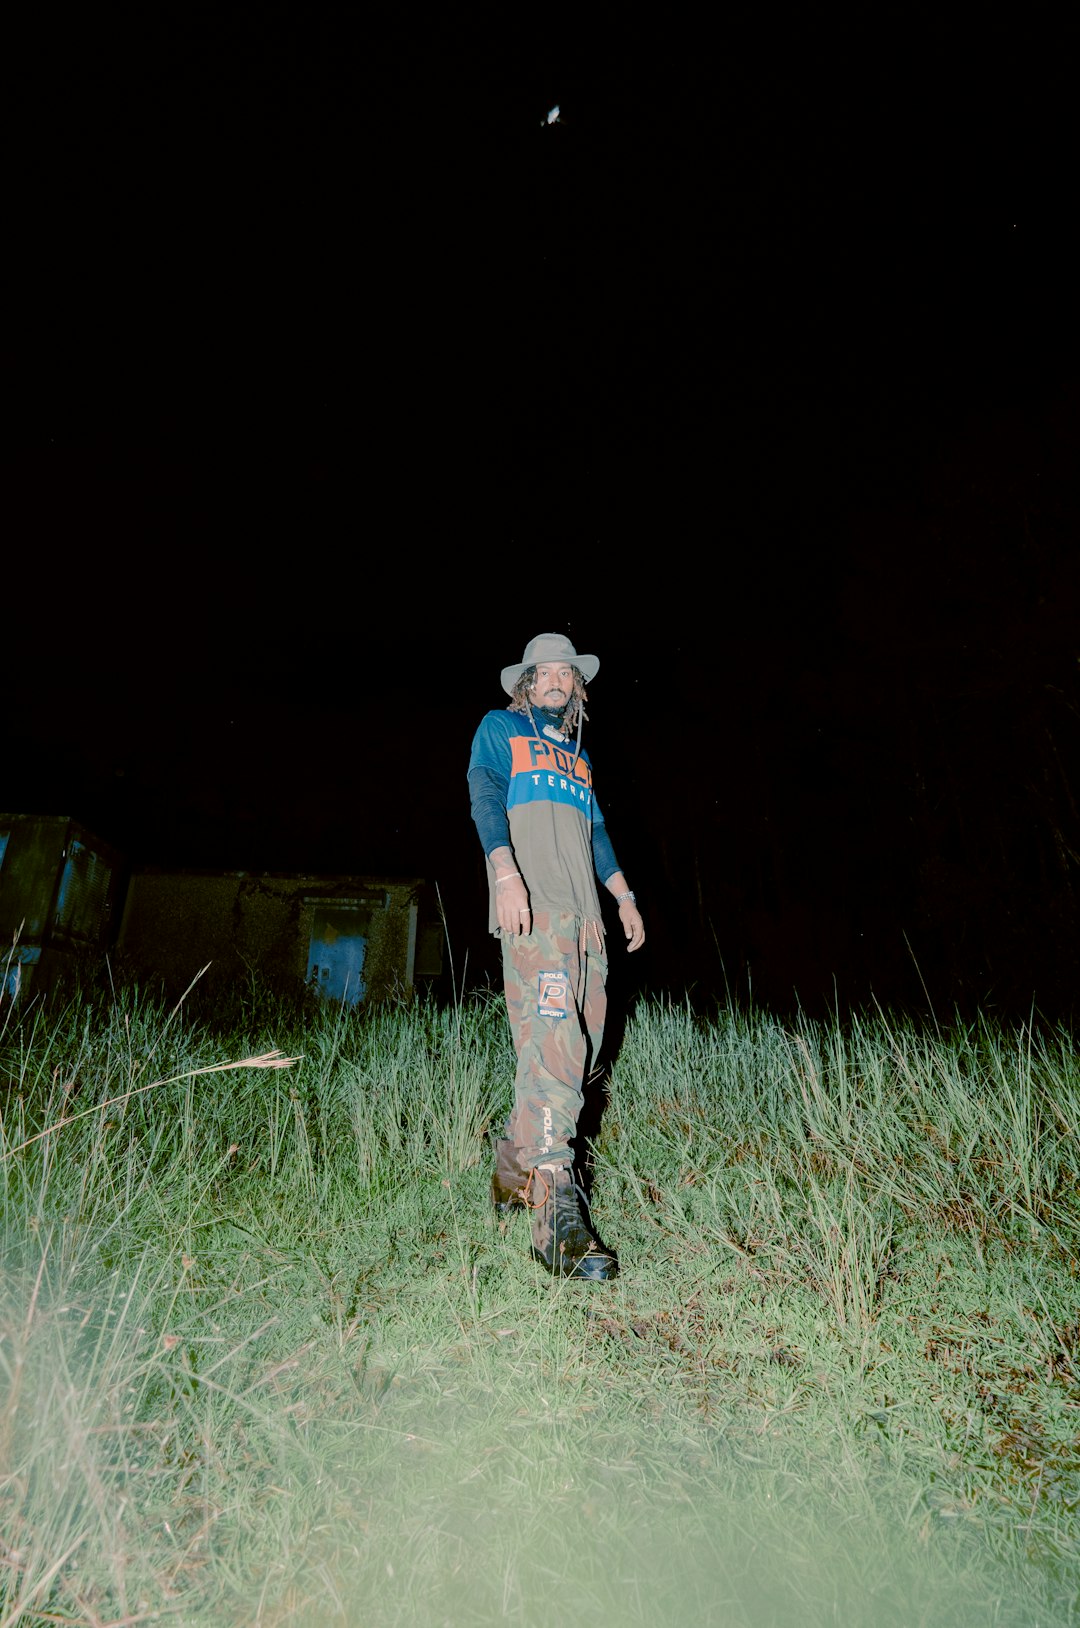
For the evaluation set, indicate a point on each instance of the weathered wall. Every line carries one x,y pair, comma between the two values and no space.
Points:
174,923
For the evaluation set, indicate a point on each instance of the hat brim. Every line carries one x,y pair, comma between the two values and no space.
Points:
587,666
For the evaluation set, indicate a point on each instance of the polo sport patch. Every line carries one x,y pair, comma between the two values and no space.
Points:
554,991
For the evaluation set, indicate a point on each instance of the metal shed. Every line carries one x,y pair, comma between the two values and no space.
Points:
59,886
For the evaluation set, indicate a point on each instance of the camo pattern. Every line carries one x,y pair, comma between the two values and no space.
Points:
560,967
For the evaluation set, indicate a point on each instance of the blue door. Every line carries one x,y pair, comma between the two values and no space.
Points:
336,956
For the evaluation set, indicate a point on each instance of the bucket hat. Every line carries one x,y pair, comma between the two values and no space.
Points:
550,647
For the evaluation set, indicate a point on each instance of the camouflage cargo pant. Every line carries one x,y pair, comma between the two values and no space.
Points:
555,980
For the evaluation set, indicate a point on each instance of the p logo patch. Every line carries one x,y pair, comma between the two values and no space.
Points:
554,991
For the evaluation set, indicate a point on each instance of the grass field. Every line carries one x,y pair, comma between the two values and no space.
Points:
266,1357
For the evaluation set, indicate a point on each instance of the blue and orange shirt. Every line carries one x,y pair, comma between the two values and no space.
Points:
532,793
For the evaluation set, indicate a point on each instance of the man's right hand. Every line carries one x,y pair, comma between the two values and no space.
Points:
512,906
511,894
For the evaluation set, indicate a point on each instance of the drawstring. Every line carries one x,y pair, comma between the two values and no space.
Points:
587,926
527,1190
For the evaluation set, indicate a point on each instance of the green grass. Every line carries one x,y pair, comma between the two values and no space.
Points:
267,1358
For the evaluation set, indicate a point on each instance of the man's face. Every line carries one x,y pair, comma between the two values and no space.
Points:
553,686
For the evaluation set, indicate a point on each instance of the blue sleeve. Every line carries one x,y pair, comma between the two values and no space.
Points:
491,744
489,781
604,859
487,793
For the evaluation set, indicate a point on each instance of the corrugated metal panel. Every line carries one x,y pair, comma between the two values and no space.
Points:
82,904
33,855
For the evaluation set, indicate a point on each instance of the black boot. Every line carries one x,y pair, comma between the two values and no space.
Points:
508,1182
561,1239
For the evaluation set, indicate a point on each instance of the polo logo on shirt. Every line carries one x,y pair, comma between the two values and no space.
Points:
540,772
529,755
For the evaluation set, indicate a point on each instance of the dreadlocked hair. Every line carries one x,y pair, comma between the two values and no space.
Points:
575,708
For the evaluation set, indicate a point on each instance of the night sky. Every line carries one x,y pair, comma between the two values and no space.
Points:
336,375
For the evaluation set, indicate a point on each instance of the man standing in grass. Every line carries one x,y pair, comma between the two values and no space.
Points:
531,788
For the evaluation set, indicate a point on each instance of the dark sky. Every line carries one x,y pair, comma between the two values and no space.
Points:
335,377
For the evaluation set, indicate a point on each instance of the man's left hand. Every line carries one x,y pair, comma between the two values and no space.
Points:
632,924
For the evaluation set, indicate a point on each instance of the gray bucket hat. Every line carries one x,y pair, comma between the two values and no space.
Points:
550,647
